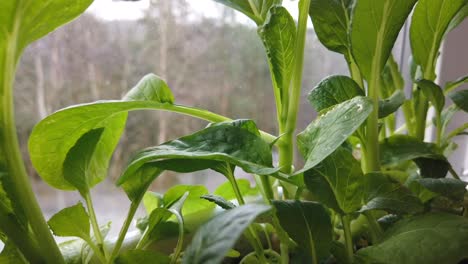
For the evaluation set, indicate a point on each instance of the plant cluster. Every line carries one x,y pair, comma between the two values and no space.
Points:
368,192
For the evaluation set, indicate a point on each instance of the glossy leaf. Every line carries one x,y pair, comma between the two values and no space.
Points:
333,90
331,19
279,38
71,221
219,201
433,93
399,148
384,193
142,257
336,182
430,238
214,239
330,130
451,188
374,29
460,98
429,23
309,225
390,105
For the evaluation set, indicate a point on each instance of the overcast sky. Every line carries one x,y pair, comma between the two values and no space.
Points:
111,10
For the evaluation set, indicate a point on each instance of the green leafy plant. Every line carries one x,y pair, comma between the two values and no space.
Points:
368,192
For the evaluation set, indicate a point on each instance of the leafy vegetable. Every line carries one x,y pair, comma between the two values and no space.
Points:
391,105
451,188
71,221
460,98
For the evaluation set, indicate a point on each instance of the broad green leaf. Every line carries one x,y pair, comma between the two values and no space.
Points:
451,188
255,10
141,180
278,34
331,20
78,162
333,90
432,238
214,239
400,148
152,200
433,93
142,257
330,130
390,105
429,24
193,204
226,191
71,221
460,98
384,193
374,29
309,225
449,86
337,182
53,137
219,201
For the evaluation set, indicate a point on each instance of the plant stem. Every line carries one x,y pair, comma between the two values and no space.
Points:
95,224
14,162
96,250
180,240
374,227
124,229
348,238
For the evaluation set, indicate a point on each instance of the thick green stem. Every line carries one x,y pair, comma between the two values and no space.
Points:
95,224
372,144
348,238
124,229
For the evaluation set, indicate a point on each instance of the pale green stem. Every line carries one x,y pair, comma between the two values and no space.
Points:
95,224
180,240
348,238
124,229
96,250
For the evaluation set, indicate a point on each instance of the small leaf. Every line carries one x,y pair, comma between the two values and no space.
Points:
433,93
150,88
331,20
308,224
141,179
194,204
450,188
391,104
218,200
257,12
333,90
142,257
214,239
226,191
460,98
71,221
449,86
78,162
430,238
337,182
330,130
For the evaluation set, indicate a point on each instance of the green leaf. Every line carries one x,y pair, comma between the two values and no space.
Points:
226,191
374,29
430,238
278,34
257,12
150,88
141,179
71,221
333,90
429,23
330,130
400,148
433,93
459,17
384,193
214,239
309,224
337,182
449,86
78,162
451,188
391,104
152,200
331,20
194,204
142,257
218,200
460,98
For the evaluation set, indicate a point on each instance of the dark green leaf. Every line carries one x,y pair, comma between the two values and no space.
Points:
78,162
337,182
391,104
433,93
374,28
331,20
142,257
333,90
218,200
451,188
429,24
449,86
308,224
399,148
460,98
384,193
430,238
215,238
279,38
141,179
71,221
330,130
